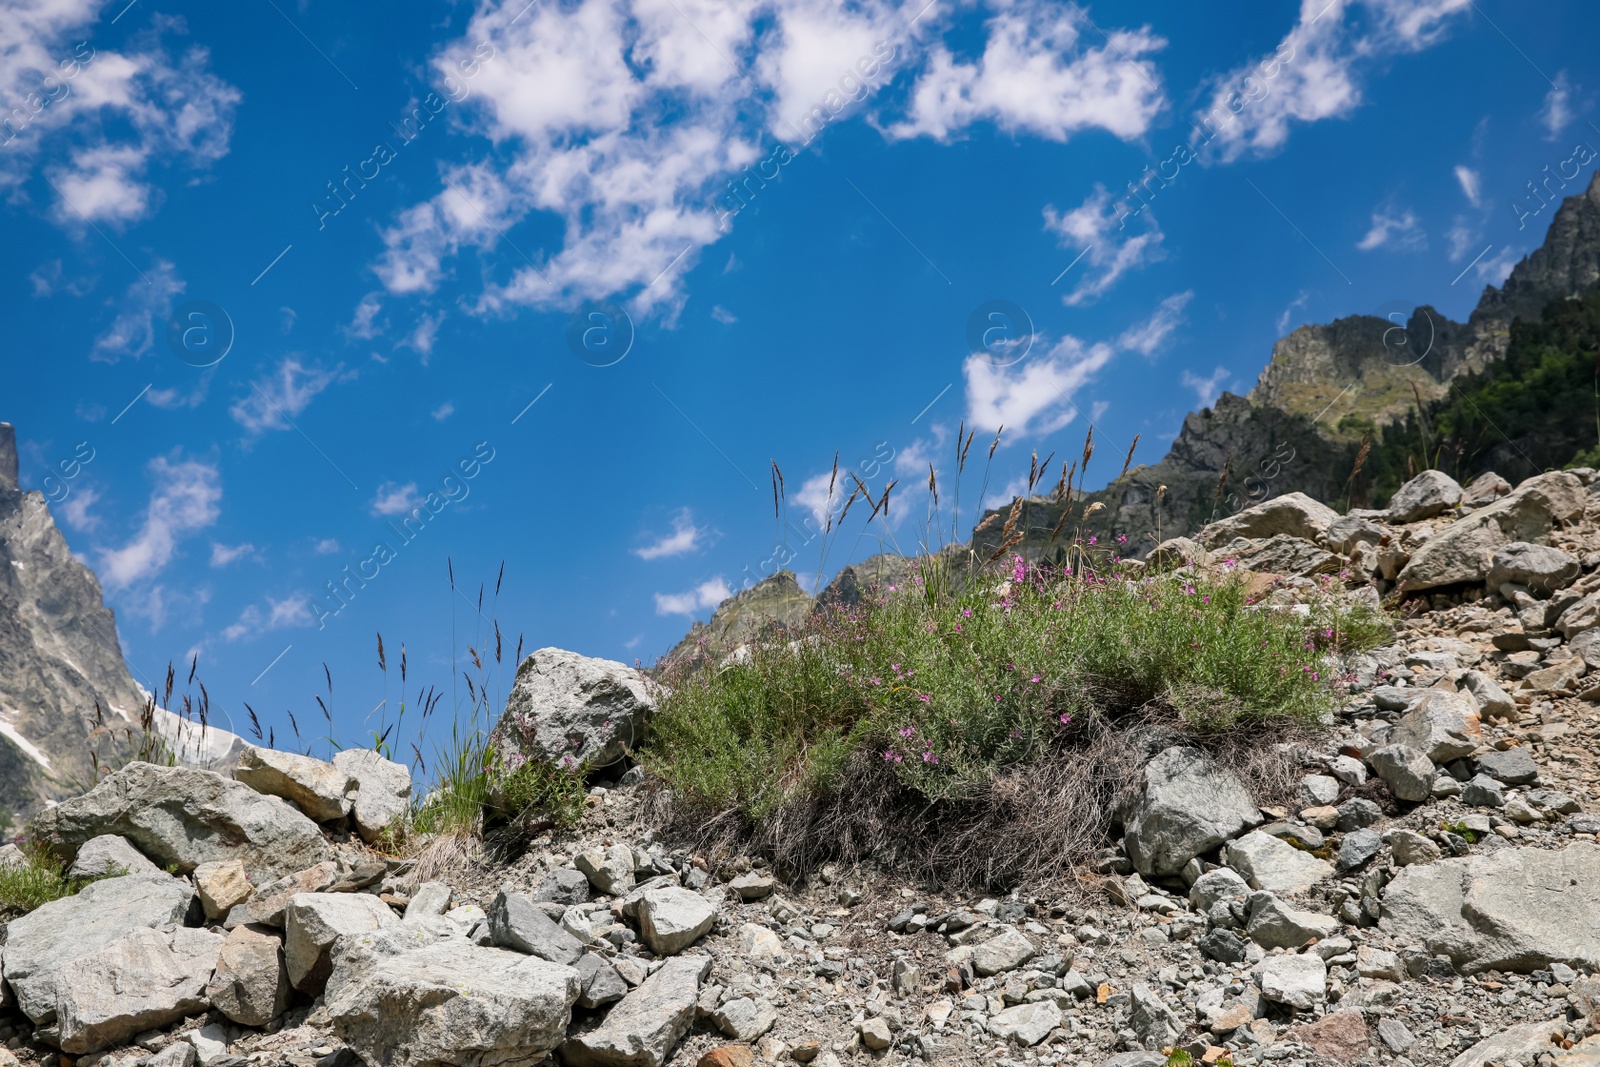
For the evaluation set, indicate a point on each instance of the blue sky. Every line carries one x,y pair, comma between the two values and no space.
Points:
486,260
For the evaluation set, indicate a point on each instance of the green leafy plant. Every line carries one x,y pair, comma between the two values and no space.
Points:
1461,830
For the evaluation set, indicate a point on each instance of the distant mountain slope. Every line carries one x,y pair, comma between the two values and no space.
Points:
59,657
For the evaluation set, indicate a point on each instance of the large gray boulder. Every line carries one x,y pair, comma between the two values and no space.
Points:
146,979
1272,864
1518,1044
1185,805
184,816
644,1027
40,944
383,790
315,786
1539,567
1295,981
1295,514
452,1003
566,705
109,854
672,918
1408,772
1463,551
1517,909
1424,496
251,983
1443,726
314,921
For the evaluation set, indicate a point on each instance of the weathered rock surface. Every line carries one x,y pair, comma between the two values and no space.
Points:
268,902
1424,496
671,919
1186,805
1269,863
1513,910
1519,1044
1295,514
42,943
516,922
1443,726
145,979
1026,1024
184,816
647,1024
222,884
1543,569
1462,552
383,790
315,786
566,705
109,854
1296,981
251,982
314,921
453,1003
1408,772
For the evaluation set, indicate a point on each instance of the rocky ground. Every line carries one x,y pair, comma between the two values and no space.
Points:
1432,896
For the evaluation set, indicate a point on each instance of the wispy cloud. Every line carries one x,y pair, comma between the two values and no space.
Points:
1034,396
1288,313
222,555
685,537
396,499
283,394
290,612
76,509
1147,336
1471,185
707,594
1556,115
1206,390
1109,249
186,499
443,411
141,315
1394,229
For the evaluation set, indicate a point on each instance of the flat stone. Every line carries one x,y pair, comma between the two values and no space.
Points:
1411,847
563,887
1443,726
223,885
431,898
1521,1044
1296,981
1006,951
1423,497
752,886
1338,1035
1394,1035
1274,924
644,1027
516,922
1513,766
745,1018
315,786
1267,863
108,855
1357,848
144,980
602,984
1026,1024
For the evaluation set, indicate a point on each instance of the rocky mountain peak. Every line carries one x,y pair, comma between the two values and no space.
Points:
8,457
1566,263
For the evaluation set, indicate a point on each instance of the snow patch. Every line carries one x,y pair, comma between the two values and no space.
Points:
11,734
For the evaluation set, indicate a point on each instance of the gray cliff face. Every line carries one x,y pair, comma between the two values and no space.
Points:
1565,263
58,654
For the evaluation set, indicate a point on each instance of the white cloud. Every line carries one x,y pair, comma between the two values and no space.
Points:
222,555
1288,313
707,594
75,509
1034,396
1463,236
1039,75
816,496
1556,115
291,611
281,395
396,499
723,315
443,411
573,98
50,278
1318,68
363,324
118,115
186,497
423,335
1471,185
142,315
1492,270
1395,229
1151,334
1109,248
913,460
1206,390
327,546
684,538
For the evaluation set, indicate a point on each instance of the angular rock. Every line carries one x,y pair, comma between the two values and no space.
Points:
1267,863
1274,924
516,922
144,980
1358,813
1318,790
1408,772
182,816
1177,552
1411,847
671,919
383,790
752,886
1513,766
1520,1044
1543,569
1005,951
609,870
266,905
40,944
1442,725
1483,792
1295,514
108,855
222,885
1424,496
1155,1024
745,1018
1186,805
1217,885
1224,946
1462,551
875,1033
601,983
566,705
314,786
1517,909
1357,848
1296,981
431,898
251,983
1026,1024
314,921
1493,702
563,887
1377,963
1338,1035
1485,489
647,1024
453,1003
